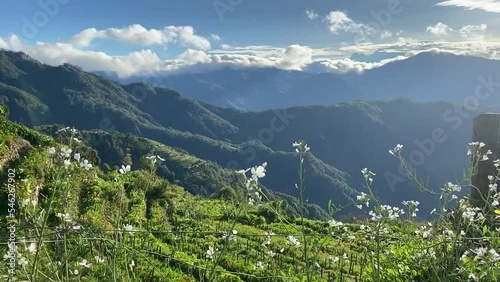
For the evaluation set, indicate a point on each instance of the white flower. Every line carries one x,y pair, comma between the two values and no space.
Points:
124,169
211,252
77,157
32,248
396,150
258,265
77,140
231,236
52,150
64,216
22,262
132,264
333,259
25,202
293,241
67,163
66,153
85,263
86,165
98,259
367,174
258,172
129,228
334,223
267,240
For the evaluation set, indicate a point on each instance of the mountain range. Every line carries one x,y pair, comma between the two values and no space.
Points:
424,77
206,144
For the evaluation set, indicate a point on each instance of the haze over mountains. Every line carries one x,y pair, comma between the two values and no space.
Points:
427,76
344,137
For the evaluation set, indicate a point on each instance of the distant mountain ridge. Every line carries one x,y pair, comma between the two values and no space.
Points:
424,77
344,138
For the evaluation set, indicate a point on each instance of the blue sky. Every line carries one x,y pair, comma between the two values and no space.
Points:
131,37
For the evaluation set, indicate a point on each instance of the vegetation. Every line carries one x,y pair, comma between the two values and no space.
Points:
348,135
76,222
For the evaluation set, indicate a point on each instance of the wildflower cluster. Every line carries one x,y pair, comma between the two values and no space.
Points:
253,191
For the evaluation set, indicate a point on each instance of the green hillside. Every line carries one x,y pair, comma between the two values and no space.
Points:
76,222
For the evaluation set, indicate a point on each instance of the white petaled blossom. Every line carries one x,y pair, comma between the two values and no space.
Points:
493,187
99,259
85,263
386,211
412,207
67,163
396,150
77,157
22,262
333,259
293,241
258,265
496,163
267,239
365,198
154,158
132,264
124,169
64,216
129,228
52,150
301,147
65,153
86,165
230,236
211,252
367,174
259,171
450,187
334,223
32,248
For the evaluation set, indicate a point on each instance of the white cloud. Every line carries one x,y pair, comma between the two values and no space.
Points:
3,44
295,57
194,57
339,21
385,34
311,14
472,30
346,65
439,29
137,34
486,5
215,37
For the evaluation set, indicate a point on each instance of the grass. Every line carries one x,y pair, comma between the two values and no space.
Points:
76,223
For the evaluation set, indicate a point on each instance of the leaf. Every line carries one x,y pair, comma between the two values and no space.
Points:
497,212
